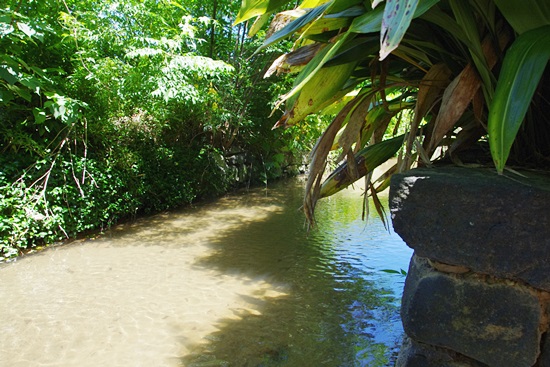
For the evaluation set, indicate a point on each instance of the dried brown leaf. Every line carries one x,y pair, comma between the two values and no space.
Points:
292,60
355,123
456,98
282,19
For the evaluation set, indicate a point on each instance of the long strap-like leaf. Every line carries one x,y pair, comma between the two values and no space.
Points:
521,71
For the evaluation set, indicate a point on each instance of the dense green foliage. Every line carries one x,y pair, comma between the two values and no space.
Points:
115,108
463,78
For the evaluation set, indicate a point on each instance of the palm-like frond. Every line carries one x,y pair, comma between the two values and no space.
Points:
440,60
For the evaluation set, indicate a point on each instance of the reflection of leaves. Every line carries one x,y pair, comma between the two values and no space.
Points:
392,271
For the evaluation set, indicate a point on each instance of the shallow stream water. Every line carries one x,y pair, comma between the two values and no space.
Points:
234,282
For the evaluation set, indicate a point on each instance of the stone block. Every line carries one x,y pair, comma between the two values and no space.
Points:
415,354
475,218
544,360
493,322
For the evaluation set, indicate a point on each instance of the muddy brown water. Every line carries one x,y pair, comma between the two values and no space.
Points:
235,282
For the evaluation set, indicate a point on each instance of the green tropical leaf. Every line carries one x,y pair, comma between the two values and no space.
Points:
252,8
521,71
526,14
324,88
371,21
337,76
258,24
397,18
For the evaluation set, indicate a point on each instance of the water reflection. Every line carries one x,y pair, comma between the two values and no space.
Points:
339,310
236,282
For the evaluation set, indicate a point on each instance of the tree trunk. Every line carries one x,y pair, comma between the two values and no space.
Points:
213,28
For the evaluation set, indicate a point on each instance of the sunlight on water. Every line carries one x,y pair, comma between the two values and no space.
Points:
235,282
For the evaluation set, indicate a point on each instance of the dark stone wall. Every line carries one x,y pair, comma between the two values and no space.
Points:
477,289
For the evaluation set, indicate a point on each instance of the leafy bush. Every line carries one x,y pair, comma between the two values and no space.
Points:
114,109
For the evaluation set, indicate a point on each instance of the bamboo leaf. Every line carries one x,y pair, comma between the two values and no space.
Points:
367,159
521,71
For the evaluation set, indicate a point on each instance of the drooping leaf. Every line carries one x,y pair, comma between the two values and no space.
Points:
430,90
371,21
282,19
296,25
456,99
359,49
337,106
397,18
327,24
355,122
324,85
323,89
349,11
375,3
366,160
319,155
465,18
309,4
521,71
378,205
294,60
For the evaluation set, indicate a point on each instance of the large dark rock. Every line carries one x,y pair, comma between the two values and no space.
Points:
473,217
415,354
544,360
494,322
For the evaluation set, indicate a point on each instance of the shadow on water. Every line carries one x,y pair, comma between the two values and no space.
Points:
328,306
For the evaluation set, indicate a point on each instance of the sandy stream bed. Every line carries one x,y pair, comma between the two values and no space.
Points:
134,297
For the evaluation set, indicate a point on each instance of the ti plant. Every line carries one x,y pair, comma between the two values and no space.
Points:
450,72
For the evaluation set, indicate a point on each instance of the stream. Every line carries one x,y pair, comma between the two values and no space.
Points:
233,282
